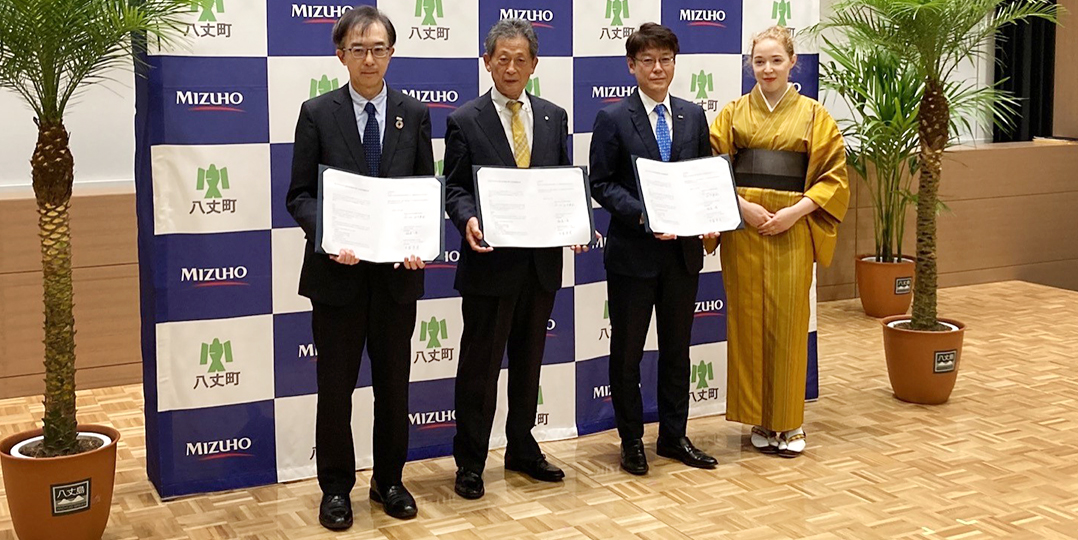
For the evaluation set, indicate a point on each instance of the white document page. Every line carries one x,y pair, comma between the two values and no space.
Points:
382,220
534,208
689,198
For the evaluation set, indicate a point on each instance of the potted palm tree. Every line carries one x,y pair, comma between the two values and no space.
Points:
884,94
933,37
59,479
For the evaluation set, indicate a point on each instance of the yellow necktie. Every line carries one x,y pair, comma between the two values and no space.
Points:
521,153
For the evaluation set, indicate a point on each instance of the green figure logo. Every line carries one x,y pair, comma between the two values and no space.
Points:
431,330
606,310
701,374
439,167
615,10
533,86
702,83
428,9
540,394
208,7
323,85
214,353
213,180
781,10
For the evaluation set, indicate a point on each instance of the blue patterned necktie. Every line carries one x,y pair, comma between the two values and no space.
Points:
662,133
372,148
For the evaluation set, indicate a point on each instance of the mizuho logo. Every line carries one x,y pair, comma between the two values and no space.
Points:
538,17
708,308
610,94
227,275
210,101
703,17
208,7
308,350
433,419
219,449
318,14
438,99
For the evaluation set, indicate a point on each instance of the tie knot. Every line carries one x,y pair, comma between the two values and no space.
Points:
369,108
660,109
515,106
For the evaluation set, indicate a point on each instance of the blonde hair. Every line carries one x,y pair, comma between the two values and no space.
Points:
780,34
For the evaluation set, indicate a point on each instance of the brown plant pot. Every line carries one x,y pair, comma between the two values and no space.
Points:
43,493
885,288
922,366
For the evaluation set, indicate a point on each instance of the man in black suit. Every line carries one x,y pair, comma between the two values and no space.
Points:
356,302
646,270
507,293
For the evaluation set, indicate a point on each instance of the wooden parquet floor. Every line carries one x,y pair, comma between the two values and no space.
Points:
1000,460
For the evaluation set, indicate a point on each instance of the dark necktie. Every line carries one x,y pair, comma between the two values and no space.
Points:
372,148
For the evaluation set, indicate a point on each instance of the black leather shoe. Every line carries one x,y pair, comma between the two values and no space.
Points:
335,512
539,469
633,459
469,484
395,500
683,451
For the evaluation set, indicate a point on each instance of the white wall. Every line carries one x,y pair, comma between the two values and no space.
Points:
100,121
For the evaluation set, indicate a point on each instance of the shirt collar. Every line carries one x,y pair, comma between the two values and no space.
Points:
503,102
360,102
649,104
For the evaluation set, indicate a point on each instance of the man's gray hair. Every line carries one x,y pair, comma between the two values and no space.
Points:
509,29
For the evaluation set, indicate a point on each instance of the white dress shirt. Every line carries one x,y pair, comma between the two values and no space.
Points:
653,117
501,104
359,103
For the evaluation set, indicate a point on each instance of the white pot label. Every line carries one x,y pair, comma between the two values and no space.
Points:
945,361
903,285
71,498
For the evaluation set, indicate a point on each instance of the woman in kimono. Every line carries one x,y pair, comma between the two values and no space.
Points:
790,168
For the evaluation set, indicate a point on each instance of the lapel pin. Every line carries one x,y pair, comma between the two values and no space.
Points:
400,123
680,117
546,117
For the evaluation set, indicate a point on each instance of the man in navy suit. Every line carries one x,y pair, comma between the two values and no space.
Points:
357,303
648,271
507,293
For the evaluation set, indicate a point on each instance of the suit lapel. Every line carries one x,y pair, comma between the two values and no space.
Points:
677,118
346,120
643,125
492,127
394,110
544,152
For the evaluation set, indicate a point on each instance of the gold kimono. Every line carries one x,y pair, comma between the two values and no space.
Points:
767,278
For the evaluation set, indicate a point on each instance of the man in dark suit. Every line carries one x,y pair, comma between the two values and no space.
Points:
646,270
356,302
507,293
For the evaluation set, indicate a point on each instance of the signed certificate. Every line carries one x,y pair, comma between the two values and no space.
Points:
382,220
688,198
534,208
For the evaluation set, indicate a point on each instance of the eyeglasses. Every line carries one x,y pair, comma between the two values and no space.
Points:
504,61
360,53
649,63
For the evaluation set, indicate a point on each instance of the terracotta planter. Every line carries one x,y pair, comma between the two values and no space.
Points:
65,497
922,366
886,288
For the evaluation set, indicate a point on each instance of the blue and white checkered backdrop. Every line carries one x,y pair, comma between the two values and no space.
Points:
229,360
